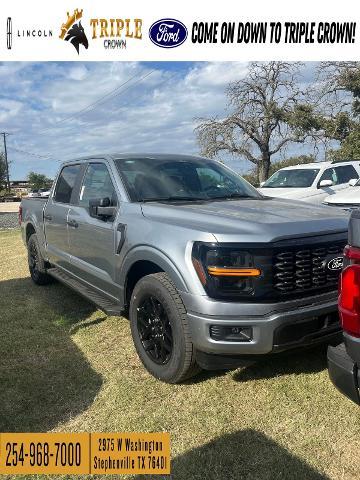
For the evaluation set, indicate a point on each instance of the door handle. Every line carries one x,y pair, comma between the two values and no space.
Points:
48,217
72,223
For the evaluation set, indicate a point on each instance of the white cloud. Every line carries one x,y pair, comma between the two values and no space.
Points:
156,113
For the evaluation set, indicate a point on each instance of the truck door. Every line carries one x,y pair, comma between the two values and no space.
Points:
340,176
56,213
92,239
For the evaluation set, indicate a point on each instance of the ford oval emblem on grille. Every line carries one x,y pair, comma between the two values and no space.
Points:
168,33
335,264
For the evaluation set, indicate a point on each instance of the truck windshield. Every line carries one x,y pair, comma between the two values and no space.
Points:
296,178
178,179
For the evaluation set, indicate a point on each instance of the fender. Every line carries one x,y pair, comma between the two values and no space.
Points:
145,252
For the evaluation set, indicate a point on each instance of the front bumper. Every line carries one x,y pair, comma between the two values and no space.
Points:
343,372
275,327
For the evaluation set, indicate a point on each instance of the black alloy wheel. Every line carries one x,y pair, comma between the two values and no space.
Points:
155,330
33,259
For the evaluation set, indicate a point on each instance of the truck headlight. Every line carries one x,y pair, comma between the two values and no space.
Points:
225,271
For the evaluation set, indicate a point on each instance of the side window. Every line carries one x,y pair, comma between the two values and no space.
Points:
97,184
209,177
329,174
345,173
66,183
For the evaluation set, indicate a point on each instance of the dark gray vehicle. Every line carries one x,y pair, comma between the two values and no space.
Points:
211,273
344,360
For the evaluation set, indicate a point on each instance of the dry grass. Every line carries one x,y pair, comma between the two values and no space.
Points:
66,366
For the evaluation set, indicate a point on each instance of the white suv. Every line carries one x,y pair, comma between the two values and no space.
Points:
311,182
348,199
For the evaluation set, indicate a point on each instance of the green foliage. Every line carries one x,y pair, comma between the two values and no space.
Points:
344,94
252,176
38,180
350,147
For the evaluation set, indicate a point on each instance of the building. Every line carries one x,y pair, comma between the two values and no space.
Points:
19,186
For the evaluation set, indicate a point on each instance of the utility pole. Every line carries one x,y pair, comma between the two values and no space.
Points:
4,134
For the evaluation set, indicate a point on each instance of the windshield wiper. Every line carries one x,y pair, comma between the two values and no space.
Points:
172,198
232,195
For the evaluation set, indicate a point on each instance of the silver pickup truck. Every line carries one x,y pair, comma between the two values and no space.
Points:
211,273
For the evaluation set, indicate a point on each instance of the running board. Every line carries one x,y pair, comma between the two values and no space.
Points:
104,303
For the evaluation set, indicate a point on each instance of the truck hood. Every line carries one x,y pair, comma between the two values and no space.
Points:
260,220
295,193
350,195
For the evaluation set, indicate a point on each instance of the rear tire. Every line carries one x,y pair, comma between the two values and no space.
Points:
160,329
37,266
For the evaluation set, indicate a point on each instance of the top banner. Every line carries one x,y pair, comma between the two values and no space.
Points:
156,31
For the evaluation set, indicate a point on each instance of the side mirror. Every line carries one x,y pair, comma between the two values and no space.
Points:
326,183
353,182
100,208
262,184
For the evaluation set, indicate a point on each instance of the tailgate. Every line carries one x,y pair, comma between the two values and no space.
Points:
354,229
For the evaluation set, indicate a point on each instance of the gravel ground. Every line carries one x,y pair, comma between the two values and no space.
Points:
9,220
8,207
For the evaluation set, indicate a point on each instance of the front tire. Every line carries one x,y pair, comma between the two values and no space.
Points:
160,329
37,266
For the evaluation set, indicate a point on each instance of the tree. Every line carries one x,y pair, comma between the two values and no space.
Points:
338,107
38,180
3,178
251,176
266,114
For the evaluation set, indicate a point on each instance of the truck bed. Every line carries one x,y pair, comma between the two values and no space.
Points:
33,213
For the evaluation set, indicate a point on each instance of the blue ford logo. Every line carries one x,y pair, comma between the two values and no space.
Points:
168,33
336,264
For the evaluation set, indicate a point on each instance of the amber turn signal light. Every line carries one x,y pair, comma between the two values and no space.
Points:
234,272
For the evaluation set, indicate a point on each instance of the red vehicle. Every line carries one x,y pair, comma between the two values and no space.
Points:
344,360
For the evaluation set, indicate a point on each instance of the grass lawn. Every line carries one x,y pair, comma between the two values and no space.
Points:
65,366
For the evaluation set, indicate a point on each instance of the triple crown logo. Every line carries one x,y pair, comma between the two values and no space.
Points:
73,30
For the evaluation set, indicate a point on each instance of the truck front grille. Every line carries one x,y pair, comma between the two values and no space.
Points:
304,268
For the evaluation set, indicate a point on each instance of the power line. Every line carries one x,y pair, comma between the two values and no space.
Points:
30,153
87,124
92,106
110,95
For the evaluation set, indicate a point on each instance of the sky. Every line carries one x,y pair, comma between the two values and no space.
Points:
136,107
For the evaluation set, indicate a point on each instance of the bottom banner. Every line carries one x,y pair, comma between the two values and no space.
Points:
85,453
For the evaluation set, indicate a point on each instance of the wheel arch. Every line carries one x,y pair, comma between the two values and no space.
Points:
141,262
29,230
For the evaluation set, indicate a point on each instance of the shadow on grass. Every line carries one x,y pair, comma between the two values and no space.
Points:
297,362
44,377
246,454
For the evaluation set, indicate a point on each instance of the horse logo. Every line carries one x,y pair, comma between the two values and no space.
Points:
73,31
76,35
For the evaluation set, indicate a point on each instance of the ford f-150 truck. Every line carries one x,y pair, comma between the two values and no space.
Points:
344,360
211,273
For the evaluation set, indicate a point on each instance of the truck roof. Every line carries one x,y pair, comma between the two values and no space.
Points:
320,165
115,156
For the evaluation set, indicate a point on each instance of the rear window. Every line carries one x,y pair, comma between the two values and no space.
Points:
66,183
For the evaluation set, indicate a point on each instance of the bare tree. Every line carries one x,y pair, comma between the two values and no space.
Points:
266,114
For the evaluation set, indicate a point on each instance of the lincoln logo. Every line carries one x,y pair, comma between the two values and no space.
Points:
9,33
335,264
